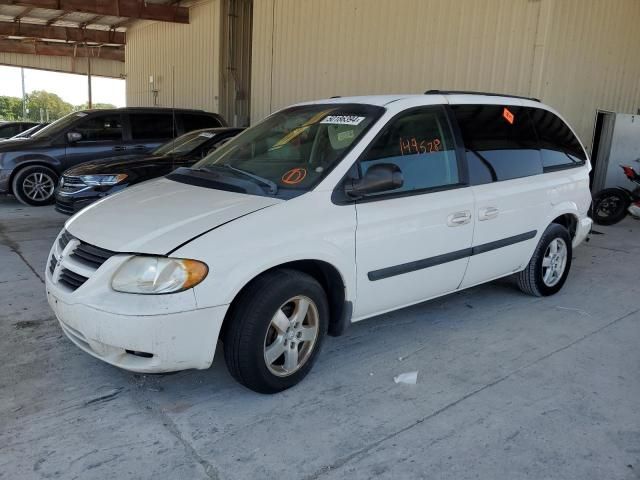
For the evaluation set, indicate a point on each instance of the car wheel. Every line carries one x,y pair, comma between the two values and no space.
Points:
610,206
35,185
549,266
275,330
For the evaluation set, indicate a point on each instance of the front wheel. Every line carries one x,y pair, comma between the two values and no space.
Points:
275,330
34,185
610,206
549,266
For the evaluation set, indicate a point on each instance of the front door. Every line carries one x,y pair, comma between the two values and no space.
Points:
413,243
101,136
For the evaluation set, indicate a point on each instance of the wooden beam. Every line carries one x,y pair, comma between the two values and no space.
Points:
61,50
30,30
22,14
138,9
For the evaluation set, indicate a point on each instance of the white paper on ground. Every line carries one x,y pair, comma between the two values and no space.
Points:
410,378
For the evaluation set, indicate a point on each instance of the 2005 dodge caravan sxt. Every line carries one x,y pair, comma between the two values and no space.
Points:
323,214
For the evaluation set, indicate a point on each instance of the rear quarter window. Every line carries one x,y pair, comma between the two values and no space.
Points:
558,145
500,142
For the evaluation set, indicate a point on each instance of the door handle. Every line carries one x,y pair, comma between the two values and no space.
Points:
488,213
139,147
119,148
459,218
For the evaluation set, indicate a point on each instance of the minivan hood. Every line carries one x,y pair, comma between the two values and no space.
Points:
157,216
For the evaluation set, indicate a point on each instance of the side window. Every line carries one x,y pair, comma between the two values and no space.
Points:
558,145
500,142
10,130
100,128
151,126
192,121
421,144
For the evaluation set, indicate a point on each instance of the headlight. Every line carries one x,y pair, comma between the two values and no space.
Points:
154,275
98,180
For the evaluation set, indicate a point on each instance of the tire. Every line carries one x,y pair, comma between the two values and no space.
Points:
610,206
252,340
35,185
536,279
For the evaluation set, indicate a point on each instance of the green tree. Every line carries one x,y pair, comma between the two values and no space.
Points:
43,105
98,106
10,108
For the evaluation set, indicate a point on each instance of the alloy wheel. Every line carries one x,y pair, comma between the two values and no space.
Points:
291,336
38,186
554,262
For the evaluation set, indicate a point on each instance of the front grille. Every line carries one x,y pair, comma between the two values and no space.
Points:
71,279
64,239
79,253
93,256
72,184
52,264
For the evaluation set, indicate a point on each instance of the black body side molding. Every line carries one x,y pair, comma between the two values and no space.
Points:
448,257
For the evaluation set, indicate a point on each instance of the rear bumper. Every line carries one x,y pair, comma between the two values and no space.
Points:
582,231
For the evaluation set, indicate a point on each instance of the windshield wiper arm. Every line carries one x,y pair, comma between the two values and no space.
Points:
273,188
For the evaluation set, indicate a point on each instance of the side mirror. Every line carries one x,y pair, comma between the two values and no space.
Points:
73,137
379,178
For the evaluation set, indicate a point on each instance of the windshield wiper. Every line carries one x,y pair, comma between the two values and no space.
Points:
273,188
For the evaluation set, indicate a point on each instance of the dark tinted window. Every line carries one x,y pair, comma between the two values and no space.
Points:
100,128
151,126
558,145
421,144
8,131
192,121
500,142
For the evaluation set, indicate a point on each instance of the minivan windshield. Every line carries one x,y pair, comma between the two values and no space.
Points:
185,143
59,125
292,150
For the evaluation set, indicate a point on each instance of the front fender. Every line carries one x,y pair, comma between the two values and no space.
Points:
239,251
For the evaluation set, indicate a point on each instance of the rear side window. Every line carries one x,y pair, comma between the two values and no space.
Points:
500,142
152,126
421,144
558,145
196,122
100,128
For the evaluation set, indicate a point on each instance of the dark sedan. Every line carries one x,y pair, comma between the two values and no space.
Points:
85,183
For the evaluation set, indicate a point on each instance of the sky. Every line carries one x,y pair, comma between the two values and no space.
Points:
70,87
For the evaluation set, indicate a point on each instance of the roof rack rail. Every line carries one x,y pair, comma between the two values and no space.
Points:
464,92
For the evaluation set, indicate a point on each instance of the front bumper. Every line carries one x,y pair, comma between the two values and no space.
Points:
141,333
582,231
148,344
5,184
70,205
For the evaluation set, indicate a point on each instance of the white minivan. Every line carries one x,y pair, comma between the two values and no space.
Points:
323,214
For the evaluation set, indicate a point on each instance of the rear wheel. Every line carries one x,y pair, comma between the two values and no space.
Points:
35,185
549,266
610,206
275,330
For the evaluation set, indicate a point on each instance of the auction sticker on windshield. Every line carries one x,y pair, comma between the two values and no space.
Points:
343,119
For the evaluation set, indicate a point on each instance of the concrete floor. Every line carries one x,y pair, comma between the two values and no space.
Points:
509,387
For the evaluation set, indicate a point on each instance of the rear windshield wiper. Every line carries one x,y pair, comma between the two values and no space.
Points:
273,188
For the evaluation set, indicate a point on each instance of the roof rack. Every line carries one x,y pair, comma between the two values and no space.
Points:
463,92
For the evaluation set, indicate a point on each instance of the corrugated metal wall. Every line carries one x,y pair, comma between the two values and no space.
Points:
191,51
99,67
577,55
